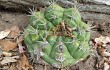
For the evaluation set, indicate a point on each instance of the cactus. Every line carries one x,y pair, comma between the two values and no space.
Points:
58,36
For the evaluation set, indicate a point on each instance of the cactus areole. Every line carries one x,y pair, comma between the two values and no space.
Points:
58,36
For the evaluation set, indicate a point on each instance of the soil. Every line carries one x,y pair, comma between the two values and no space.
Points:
8,19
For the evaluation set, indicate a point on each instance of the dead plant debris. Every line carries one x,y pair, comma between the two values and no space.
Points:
11,40
102,44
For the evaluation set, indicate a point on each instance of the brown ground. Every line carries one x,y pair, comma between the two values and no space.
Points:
8,19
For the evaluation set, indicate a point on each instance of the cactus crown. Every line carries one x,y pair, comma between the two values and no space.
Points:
58,35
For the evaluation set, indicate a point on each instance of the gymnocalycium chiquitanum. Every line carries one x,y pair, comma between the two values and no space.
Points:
58,36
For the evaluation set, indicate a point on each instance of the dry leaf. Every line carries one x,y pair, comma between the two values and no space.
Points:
14,32
19,65
25,63
9,59
4,33
7,45
102,40
106,53
5,67
106,66
102,44
7,54
13,67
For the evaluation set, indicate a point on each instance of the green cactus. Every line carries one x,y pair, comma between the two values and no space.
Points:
57,35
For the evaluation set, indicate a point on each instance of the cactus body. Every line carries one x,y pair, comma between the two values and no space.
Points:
58,35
